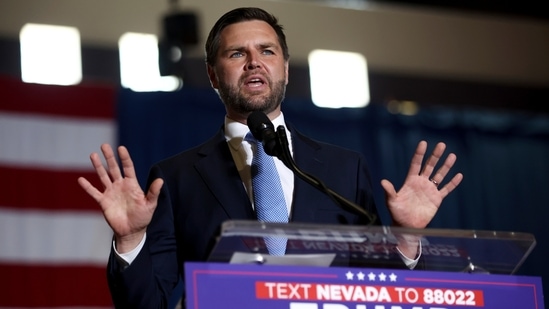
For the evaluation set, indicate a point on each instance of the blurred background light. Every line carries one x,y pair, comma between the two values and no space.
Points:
338,79
50,54
139,69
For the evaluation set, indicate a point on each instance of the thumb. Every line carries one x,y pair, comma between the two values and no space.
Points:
388,188
154,190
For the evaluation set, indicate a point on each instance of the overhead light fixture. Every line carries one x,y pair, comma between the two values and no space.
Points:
50,54
139,66
338,79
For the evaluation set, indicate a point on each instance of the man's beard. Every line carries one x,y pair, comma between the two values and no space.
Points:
232,98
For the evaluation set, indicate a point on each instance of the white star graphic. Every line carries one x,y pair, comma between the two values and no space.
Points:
393,277
382,277
349,275
372,276
360,276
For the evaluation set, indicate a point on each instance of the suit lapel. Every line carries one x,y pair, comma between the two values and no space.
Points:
305,151
218,171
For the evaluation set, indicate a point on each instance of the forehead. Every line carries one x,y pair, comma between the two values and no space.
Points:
248,32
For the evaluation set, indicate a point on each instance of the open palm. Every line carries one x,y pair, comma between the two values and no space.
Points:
419,198
126,208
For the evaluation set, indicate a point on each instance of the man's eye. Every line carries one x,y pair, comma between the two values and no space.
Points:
236,55
268,52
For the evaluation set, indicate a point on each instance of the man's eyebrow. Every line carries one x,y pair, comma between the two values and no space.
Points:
269,45
233,47
259,45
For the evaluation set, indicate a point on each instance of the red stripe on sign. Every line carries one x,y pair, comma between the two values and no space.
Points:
53,286
84,101
46,189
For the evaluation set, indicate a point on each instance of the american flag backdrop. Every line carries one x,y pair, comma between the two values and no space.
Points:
54,241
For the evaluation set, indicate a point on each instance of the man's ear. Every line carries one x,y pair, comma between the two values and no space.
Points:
212,76
286,68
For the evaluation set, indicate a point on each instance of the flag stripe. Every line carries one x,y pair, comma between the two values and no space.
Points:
83,101
46,189
52,142
46,286
47,237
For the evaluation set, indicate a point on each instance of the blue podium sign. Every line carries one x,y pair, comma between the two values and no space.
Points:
219,285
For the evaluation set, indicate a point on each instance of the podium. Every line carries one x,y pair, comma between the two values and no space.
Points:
360,267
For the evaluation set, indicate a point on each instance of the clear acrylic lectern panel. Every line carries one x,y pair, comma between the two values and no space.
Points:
375,246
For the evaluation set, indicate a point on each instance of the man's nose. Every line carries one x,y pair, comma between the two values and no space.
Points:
253,62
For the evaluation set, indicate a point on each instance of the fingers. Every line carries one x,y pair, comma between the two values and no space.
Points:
428,169
417,159
100,170
450,186
89,188
114,172
444,169
112,164
433,160
127,163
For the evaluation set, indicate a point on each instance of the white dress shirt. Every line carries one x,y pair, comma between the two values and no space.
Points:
243,153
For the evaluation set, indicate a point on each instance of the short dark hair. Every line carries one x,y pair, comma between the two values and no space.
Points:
240,15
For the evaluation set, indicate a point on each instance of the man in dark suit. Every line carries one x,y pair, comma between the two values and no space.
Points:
192,193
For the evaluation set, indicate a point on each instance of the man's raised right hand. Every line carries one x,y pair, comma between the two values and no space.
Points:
125,206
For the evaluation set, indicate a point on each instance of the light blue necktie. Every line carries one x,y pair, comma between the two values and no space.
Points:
269,201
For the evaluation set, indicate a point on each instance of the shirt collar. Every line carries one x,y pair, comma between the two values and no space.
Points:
236,131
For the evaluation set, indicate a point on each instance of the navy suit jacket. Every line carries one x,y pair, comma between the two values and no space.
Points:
202,189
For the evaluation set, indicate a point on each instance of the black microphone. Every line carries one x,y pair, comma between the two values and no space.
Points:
263,130
276,144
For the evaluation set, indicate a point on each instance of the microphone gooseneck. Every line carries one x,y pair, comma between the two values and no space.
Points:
275,143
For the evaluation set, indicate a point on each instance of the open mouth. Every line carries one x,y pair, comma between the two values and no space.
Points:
255,81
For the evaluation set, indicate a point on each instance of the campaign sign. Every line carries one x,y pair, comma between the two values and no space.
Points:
213,285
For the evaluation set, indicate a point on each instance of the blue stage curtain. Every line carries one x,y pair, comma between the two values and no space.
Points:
504,156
